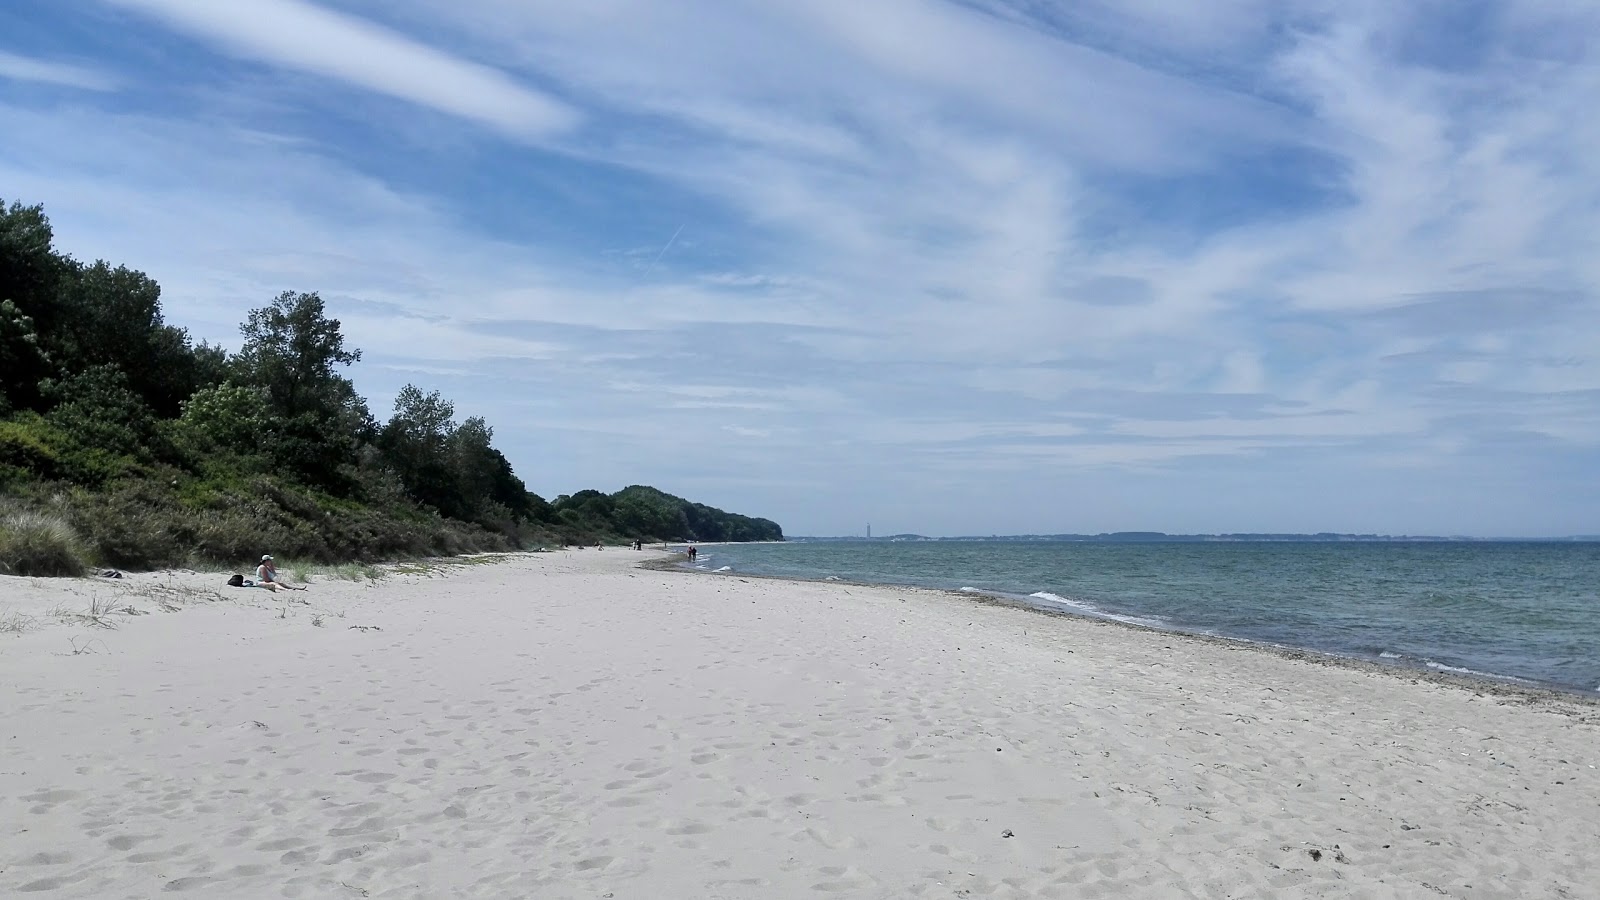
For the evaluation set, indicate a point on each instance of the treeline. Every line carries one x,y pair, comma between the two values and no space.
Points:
122,436
644,511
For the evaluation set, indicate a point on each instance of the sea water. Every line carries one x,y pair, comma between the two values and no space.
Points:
1524,612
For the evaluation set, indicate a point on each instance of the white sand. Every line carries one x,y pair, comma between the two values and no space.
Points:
563,725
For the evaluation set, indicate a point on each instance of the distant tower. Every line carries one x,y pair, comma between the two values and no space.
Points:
869,531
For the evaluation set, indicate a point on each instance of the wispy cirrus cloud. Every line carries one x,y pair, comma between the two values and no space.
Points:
26,68
1246,266
306,37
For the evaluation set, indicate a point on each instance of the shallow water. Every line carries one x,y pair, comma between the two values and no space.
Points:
1519,611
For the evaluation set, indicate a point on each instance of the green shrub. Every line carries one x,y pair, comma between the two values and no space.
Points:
38,544
237,538
132,525
28,443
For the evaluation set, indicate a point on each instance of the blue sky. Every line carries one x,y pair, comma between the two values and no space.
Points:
992,266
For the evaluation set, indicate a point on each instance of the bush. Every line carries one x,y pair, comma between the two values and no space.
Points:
132,525
26,445
38,544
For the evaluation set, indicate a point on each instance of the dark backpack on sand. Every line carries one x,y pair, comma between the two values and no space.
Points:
236,581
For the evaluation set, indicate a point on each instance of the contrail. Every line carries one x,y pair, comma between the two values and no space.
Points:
664,250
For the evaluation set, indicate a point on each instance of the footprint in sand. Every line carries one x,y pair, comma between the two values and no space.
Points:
47,858
188,884
160,855
43,884
840,880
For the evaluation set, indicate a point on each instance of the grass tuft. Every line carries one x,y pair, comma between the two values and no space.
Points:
16,623
39,544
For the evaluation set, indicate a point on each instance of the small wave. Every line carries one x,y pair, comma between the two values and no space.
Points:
1048,597
1388,654
971,590
1097,612
1462,670
725,569
831,578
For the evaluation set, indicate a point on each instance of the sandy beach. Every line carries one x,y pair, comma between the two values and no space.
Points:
567,724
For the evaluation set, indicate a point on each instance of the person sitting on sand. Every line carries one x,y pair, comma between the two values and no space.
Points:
267,576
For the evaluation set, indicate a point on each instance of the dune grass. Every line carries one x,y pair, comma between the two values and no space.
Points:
17,623
39,544
305,572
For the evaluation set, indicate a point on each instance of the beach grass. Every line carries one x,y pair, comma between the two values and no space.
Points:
347,572
39,544
17,623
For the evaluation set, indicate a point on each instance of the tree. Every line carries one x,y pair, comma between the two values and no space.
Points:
291,348
491,492
414,443
228,417
108,426
453,468
291,351
29,269
23,362
96,409
29,272
112,316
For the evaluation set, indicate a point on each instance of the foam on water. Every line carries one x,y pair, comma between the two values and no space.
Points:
1089,609
1475,673
1059,600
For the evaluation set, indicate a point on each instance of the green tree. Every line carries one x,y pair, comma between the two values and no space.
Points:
29,268
23,362
229,417
109,428
491,492
292,349
415,442
113,317
29,273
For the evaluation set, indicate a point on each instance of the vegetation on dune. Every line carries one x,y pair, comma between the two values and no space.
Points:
37,544
125,443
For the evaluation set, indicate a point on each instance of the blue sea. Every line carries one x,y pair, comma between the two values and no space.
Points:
1520,612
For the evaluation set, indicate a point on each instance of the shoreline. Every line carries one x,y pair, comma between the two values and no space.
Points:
1507,685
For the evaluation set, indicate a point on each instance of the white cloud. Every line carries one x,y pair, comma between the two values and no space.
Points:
300,35
27,68
984,250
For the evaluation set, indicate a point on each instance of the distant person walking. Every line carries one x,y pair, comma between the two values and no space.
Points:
693,553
